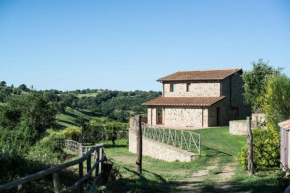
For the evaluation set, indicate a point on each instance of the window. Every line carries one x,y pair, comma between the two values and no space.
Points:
188,87
172,87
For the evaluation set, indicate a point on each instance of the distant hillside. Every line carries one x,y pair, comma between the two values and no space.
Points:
116,105
71,117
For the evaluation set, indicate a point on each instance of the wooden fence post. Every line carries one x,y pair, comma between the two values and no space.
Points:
139,143
250,147
89,165
98,158
56,184
81,174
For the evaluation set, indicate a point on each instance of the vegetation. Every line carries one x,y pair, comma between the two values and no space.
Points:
24,118
266,151
275,101
255,81
31,120
117,105
218,147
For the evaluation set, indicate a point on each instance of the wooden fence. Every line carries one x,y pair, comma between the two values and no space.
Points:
95,152
187,140
76,146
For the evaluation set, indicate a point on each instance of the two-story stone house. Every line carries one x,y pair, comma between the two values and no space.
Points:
201,98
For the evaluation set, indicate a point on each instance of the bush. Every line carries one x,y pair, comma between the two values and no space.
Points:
45,152
72,133
12,162
24,119
266,150
255,81
275,102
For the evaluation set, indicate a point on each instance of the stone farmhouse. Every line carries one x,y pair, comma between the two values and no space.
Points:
201,98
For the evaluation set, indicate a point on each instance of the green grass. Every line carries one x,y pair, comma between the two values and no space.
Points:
219,142
243,121
68,118
87,95
217,146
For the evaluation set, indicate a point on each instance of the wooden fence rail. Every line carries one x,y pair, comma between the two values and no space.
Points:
97,152
187,140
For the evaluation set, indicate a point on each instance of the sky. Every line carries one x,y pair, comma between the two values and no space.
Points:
127,45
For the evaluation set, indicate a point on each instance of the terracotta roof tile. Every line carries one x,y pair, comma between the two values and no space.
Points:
285,124
218,74
184,101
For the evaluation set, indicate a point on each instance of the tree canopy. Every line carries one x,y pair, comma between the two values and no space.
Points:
255,81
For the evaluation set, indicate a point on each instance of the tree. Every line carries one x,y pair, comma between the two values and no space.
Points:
276,101
2,83
23,118
255,81
23,87
80,121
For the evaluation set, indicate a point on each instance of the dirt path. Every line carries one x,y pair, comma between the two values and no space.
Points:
220,179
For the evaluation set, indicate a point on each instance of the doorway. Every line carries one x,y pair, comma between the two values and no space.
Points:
218,116
159,115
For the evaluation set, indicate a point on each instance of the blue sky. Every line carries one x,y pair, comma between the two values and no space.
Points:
127,45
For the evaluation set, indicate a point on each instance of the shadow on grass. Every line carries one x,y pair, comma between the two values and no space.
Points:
88,113
213,152
135,182
70,114
67,122
266,181
115,146
238,185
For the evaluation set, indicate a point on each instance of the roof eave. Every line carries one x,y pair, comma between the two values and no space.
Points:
184,105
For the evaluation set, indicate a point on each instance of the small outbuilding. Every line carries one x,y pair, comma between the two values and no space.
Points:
284,146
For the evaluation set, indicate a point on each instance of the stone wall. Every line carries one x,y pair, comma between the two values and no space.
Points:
198,89
187,117
159,150
224,114
238,127
259,120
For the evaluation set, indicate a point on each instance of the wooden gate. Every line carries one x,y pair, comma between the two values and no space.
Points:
284,148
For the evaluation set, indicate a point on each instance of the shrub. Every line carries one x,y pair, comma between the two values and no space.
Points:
45,152
266,150
13,163
275,102
72,133
24,119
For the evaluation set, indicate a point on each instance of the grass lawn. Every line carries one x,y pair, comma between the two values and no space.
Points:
217,146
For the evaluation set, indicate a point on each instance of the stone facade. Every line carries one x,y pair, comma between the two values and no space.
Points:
187,117
159,150
198,89
212,114
152,116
